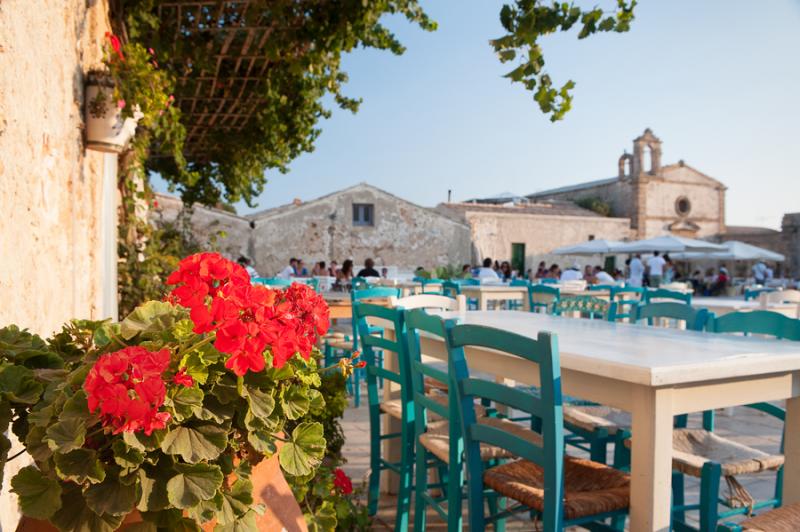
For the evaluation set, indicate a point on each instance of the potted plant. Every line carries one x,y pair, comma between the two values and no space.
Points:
172,417
107,128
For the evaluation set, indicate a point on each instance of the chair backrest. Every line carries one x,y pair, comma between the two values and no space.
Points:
757,322
451,288
694,318
273,281
432,286
371,341
548,280
597,287
419,369
663,293
626,297
359,283
547,406
753,293
429,301
376,292
588,306
542,297
519,282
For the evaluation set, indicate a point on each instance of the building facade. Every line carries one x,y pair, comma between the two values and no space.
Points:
658,199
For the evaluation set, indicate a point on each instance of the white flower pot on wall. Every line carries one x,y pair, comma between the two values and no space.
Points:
106,129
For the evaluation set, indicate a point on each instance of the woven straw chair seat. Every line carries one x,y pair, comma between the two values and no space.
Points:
593,417
433,384
691,448
340,343
437,439
394,407
589,487
783,519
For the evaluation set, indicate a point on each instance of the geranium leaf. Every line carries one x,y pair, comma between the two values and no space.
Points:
18,385
75,516
151,317
125,456
66,435
79,466
142,442
261,403
323,519
205,511
39,496
76,407
193,484
236,502
154,488
246,523
215,411
186,402
304,453
316,401
295,402
196,443
144,526
112,497
262,441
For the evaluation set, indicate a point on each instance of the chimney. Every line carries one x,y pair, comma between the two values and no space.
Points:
449,195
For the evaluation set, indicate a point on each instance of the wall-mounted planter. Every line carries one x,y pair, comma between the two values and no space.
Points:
106,129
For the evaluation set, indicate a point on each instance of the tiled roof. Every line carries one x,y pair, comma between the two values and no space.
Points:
551,208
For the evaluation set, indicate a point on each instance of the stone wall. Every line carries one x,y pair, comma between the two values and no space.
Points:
403,235
51,189
215,229
790,231
619,194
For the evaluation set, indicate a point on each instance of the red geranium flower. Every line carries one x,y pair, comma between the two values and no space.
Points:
115,44
128,389
342,482
182,378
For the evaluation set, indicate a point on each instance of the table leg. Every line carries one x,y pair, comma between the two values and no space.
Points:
791,450
651,459
482,302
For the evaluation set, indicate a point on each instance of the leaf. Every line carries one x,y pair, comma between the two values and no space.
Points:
112,497
154,488
66,435
304,453
262,441
151,317
323,520
261,403
236,502
142,442
244,524
18,385
295,402
316,402
193,444
187,402
215,411
76,407
125,456
206,511
79,466
193,484
144,526
39,496
75,516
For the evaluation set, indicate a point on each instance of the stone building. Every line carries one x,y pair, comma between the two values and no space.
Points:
657,198
525,233
356,223
58,229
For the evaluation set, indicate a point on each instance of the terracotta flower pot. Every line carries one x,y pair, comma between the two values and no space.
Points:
269,488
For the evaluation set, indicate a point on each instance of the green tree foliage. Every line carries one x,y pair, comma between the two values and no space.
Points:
527,21
603,208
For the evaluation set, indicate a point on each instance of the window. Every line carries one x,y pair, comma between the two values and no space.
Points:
683,206
363,214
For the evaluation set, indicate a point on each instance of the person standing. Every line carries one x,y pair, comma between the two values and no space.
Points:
636,271
656,269
760,273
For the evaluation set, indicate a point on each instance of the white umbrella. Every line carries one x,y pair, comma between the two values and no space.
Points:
592,247
734,250
667,244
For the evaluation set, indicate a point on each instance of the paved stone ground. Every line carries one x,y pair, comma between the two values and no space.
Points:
743,425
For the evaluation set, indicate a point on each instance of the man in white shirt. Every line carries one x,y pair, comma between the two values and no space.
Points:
636,271
572,274
602,276
487,272
289,271
760,272
656,265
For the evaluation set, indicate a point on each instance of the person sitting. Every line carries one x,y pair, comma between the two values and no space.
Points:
602,277
720,282
588,274
345,275
505,271
384,272
244,262
541,271
554,272
333,270
319,269
369,269
466,271
301,270
487,272
572,274
289,271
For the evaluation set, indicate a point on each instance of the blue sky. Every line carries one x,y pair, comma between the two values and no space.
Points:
718,81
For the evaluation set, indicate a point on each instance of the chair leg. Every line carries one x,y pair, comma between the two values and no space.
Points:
420,487
598,447
406,470
709,494
678,498
356,377
374,459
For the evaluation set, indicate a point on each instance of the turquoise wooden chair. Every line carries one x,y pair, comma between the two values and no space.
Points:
601,287
538,291
516,304
753,293
548,280
543,480
588,306
663,293
452,288
784,518
431,286
401,408
694,318
273,281
358,283
626,297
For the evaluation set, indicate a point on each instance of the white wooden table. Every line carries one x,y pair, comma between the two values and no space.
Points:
495,292
653,373
725,305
